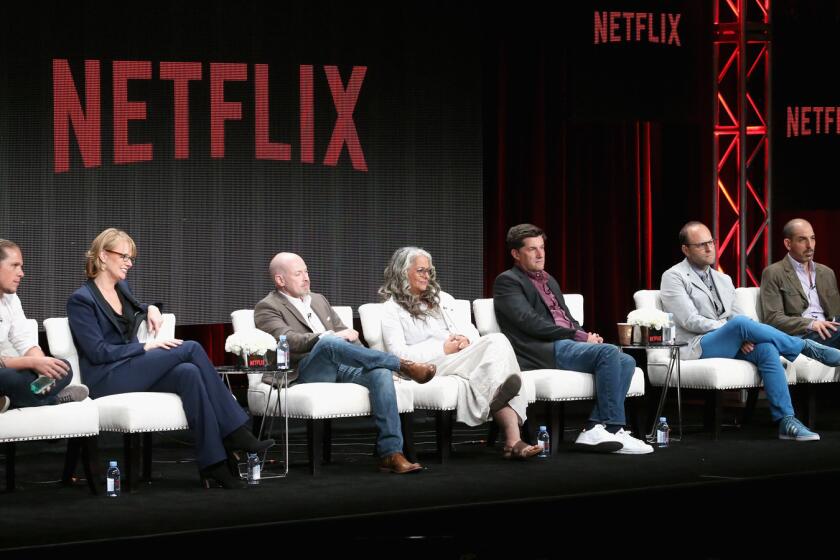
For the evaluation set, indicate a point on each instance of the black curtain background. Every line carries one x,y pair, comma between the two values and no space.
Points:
583,180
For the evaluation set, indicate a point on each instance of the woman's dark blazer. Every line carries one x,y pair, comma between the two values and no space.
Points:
99,340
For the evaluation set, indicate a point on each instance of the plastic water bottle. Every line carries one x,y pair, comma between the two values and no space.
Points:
544,442
40,385
253,468
112,480
282,353
663,433
669,331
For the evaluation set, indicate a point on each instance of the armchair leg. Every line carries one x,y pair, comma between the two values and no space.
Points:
749,408
147,457
492,433
635,410
407,422
714,411
314,444
810,412
9,451
71,458
131,461
556,414
443,427
527,432
90,463
327,441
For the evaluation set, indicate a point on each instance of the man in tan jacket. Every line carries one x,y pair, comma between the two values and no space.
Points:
324,350
798,295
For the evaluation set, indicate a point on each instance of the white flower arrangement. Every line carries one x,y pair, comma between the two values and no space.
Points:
651,318
250,342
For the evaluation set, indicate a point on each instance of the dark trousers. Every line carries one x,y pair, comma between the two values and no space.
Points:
833,340
14,383
211,410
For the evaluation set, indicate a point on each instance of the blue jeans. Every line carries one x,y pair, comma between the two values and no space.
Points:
14,383
613,371
335,360
770,343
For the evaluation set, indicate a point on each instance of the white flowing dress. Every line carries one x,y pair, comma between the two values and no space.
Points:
481,367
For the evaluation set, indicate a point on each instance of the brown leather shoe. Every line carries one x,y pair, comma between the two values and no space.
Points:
421,373
397,463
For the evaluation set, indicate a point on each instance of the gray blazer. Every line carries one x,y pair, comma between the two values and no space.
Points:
684,294
276,315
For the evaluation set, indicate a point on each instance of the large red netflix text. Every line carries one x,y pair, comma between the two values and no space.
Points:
84,122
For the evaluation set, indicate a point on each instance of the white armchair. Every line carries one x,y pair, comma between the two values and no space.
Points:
132,414
710,375
319,403
77,421
554,386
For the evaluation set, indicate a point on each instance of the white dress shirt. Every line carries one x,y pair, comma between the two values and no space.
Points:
304,307
16,334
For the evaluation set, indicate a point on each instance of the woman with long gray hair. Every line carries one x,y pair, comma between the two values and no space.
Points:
420,323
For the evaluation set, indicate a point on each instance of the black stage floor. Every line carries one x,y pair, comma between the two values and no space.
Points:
713,498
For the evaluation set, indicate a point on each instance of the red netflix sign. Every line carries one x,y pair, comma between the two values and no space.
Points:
84,122
636,27
812,120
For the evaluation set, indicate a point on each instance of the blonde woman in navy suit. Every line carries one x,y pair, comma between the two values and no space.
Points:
104,317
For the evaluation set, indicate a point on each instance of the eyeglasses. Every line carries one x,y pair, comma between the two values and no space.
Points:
703,244
423,271
124,257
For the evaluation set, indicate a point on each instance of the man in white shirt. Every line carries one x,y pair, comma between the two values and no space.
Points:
21,359
324,350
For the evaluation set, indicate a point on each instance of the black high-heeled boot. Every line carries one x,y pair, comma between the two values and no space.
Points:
221,474
242,440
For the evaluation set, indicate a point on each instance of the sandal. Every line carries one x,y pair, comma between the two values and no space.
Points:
520,450
506,391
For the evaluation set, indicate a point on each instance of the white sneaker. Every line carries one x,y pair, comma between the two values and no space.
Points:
631,445
597,440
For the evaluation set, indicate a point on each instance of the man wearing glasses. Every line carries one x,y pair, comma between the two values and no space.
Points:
703,303
798,295
532,313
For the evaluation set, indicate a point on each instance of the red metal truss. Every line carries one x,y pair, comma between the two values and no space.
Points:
742,134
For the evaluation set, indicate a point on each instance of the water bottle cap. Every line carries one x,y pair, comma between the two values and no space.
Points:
282,337
113,464
662,419
542,428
